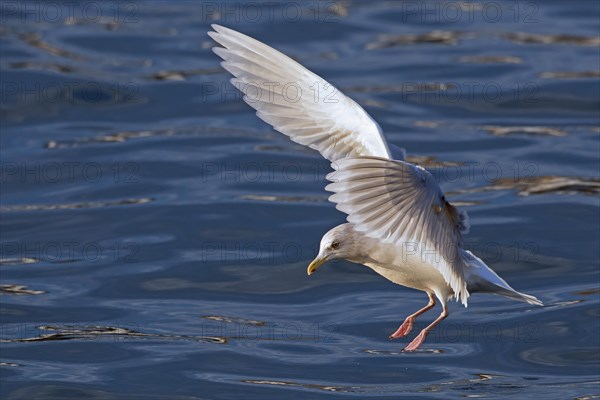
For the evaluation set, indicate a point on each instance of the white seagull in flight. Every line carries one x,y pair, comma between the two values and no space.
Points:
399,222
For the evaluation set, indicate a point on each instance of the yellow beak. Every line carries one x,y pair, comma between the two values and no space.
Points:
317,262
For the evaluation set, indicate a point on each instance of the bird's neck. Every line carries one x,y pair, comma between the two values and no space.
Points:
360,245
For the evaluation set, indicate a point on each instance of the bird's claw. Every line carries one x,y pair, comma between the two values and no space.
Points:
417,342
403,329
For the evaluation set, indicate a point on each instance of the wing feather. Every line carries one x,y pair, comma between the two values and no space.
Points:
393,201
322,118
398,202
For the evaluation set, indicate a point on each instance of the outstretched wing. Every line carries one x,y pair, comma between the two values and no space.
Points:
398,202
297,102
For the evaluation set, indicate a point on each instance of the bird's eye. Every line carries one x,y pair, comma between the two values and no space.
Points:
335,245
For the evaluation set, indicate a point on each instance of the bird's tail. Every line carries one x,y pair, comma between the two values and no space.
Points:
481,278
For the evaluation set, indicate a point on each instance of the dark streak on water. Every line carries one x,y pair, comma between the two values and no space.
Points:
179,273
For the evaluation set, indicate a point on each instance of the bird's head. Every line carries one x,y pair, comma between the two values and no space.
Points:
336,244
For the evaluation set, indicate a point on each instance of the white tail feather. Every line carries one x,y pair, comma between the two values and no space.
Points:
481,278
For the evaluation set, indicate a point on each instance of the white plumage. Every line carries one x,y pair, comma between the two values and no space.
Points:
399,222
400,203
297,102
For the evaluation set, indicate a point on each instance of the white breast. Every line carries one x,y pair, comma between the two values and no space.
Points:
404,268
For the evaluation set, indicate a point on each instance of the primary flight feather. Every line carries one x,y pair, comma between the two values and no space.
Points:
322,118
399,222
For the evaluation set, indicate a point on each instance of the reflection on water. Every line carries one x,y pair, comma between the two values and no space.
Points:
305,385
535,130
234,320
155,234
91,204
551,184
436,37
18,290
492,59
17,261
183,75
563,356
526,186
290,199
532,38
93,332
34,39
570,74
128,135
54,67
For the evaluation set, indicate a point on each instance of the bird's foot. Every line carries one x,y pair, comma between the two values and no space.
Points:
417,342
403,329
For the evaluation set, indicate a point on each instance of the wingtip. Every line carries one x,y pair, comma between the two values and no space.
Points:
463,295
216,27
536,302
340,163
218,31
214,36
331,178
225,31
531,299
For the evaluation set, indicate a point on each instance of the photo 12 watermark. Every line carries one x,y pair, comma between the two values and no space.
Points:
252,252
49,12
69,92
69,172
450,12
69,251
255,12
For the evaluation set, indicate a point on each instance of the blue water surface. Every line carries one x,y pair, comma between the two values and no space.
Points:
155,233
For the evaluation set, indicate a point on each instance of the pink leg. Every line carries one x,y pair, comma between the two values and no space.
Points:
407,325
418,341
